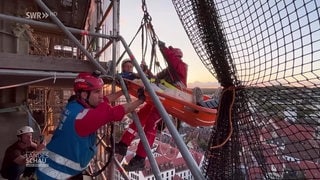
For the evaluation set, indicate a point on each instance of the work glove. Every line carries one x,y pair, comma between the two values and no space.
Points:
144,67
141,95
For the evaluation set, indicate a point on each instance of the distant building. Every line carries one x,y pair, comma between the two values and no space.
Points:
170,162
290,148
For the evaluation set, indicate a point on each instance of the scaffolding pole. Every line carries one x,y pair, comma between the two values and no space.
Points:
67,30
38,73
115,32
143,138
52,26
193,166
71,36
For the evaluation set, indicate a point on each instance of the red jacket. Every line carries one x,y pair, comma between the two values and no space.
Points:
177,68
93,118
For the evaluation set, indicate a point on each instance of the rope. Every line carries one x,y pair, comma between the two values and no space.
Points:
27,83
134,37
146,22
229,115
30,117
100,141
148,34
27,110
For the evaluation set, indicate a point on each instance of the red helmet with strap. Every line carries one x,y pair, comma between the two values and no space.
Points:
87,82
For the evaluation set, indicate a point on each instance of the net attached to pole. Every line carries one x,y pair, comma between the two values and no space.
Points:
270,52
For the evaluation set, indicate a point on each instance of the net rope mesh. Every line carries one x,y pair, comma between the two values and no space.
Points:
269,52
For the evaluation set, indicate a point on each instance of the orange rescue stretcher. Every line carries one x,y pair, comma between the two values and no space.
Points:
178,103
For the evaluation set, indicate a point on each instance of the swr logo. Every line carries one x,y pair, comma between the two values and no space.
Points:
39,15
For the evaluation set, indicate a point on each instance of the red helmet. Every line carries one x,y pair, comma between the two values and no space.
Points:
176,51
87,82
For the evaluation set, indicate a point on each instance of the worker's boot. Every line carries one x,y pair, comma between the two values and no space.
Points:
197,96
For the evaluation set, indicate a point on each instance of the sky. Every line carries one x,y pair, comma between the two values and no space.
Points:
169,29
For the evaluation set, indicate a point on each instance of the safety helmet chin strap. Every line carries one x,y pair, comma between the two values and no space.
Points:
84,102
19,138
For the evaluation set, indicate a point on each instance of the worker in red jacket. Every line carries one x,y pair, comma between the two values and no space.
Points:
73,143
177,71
176,74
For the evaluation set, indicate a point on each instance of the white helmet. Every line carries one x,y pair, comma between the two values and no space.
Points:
24,129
